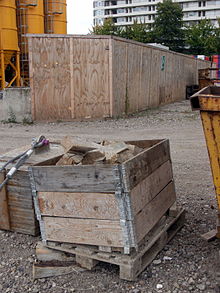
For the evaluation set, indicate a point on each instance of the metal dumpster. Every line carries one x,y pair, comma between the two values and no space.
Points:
207,101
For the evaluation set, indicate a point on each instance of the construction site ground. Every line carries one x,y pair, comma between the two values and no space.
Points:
187,264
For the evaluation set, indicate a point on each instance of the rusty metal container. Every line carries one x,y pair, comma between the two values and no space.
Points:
207,101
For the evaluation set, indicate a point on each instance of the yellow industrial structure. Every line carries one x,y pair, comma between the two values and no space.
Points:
55,16
207,100
9,50
17,19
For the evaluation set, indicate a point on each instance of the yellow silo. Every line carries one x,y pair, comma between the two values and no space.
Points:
55,13
9,49
30,18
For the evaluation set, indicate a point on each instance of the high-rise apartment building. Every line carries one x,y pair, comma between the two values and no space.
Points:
125,12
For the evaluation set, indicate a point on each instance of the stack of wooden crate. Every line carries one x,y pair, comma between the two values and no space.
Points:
118,213
16,204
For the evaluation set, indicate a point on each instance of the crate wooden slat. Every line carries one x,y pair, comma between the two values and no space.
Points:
105,205
20,215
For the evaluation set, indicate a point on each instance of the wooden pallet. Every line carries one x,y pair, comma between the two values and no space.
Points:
130,265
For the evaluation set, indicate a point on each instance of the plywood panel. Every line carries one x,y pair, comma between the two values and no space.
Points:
88,231
154,78
134,57
90,71
163,83
51,78
79,205
119,78
145,79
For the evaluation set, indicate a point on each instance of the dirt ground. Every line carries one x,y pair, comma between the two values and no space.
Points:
187,264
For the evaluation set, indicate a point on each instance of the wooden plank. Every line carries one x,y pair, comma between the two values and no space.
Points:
144,143
78,205
84,231
142,165
20,202
98,178
154,210
4,212
154,82
111,101
78,144
133,77
85,262
147,189
45,254
210,235
45,271
119,78
20,179
19,192
146,63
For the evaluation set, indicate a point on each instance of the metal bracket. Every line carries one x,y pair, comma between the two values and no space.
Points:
36,206
124,204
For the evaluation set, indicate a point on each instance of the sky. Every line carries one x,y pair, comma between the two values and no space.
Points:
79,16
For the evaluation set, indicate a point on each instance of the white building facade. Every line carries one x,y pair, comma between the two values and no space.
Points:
125,12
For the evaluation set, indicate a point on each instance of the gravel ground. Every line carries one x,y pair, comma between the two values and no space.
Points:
187,264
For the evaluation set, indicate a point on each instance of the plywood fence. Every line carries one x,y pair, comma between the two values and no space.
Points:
75,77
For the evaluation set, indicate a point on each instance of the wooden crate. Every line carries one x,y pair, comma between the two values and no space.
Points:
105,205
16,203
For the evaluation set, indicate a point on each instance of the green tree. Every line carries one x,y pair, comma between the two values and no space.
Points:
217,37
167,28
137,32
202,38
107,28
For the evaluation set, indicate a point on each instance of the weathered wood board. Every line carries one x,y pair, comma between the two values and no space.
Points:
16,206
74,179
149,187
89,231
79,205
81,77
